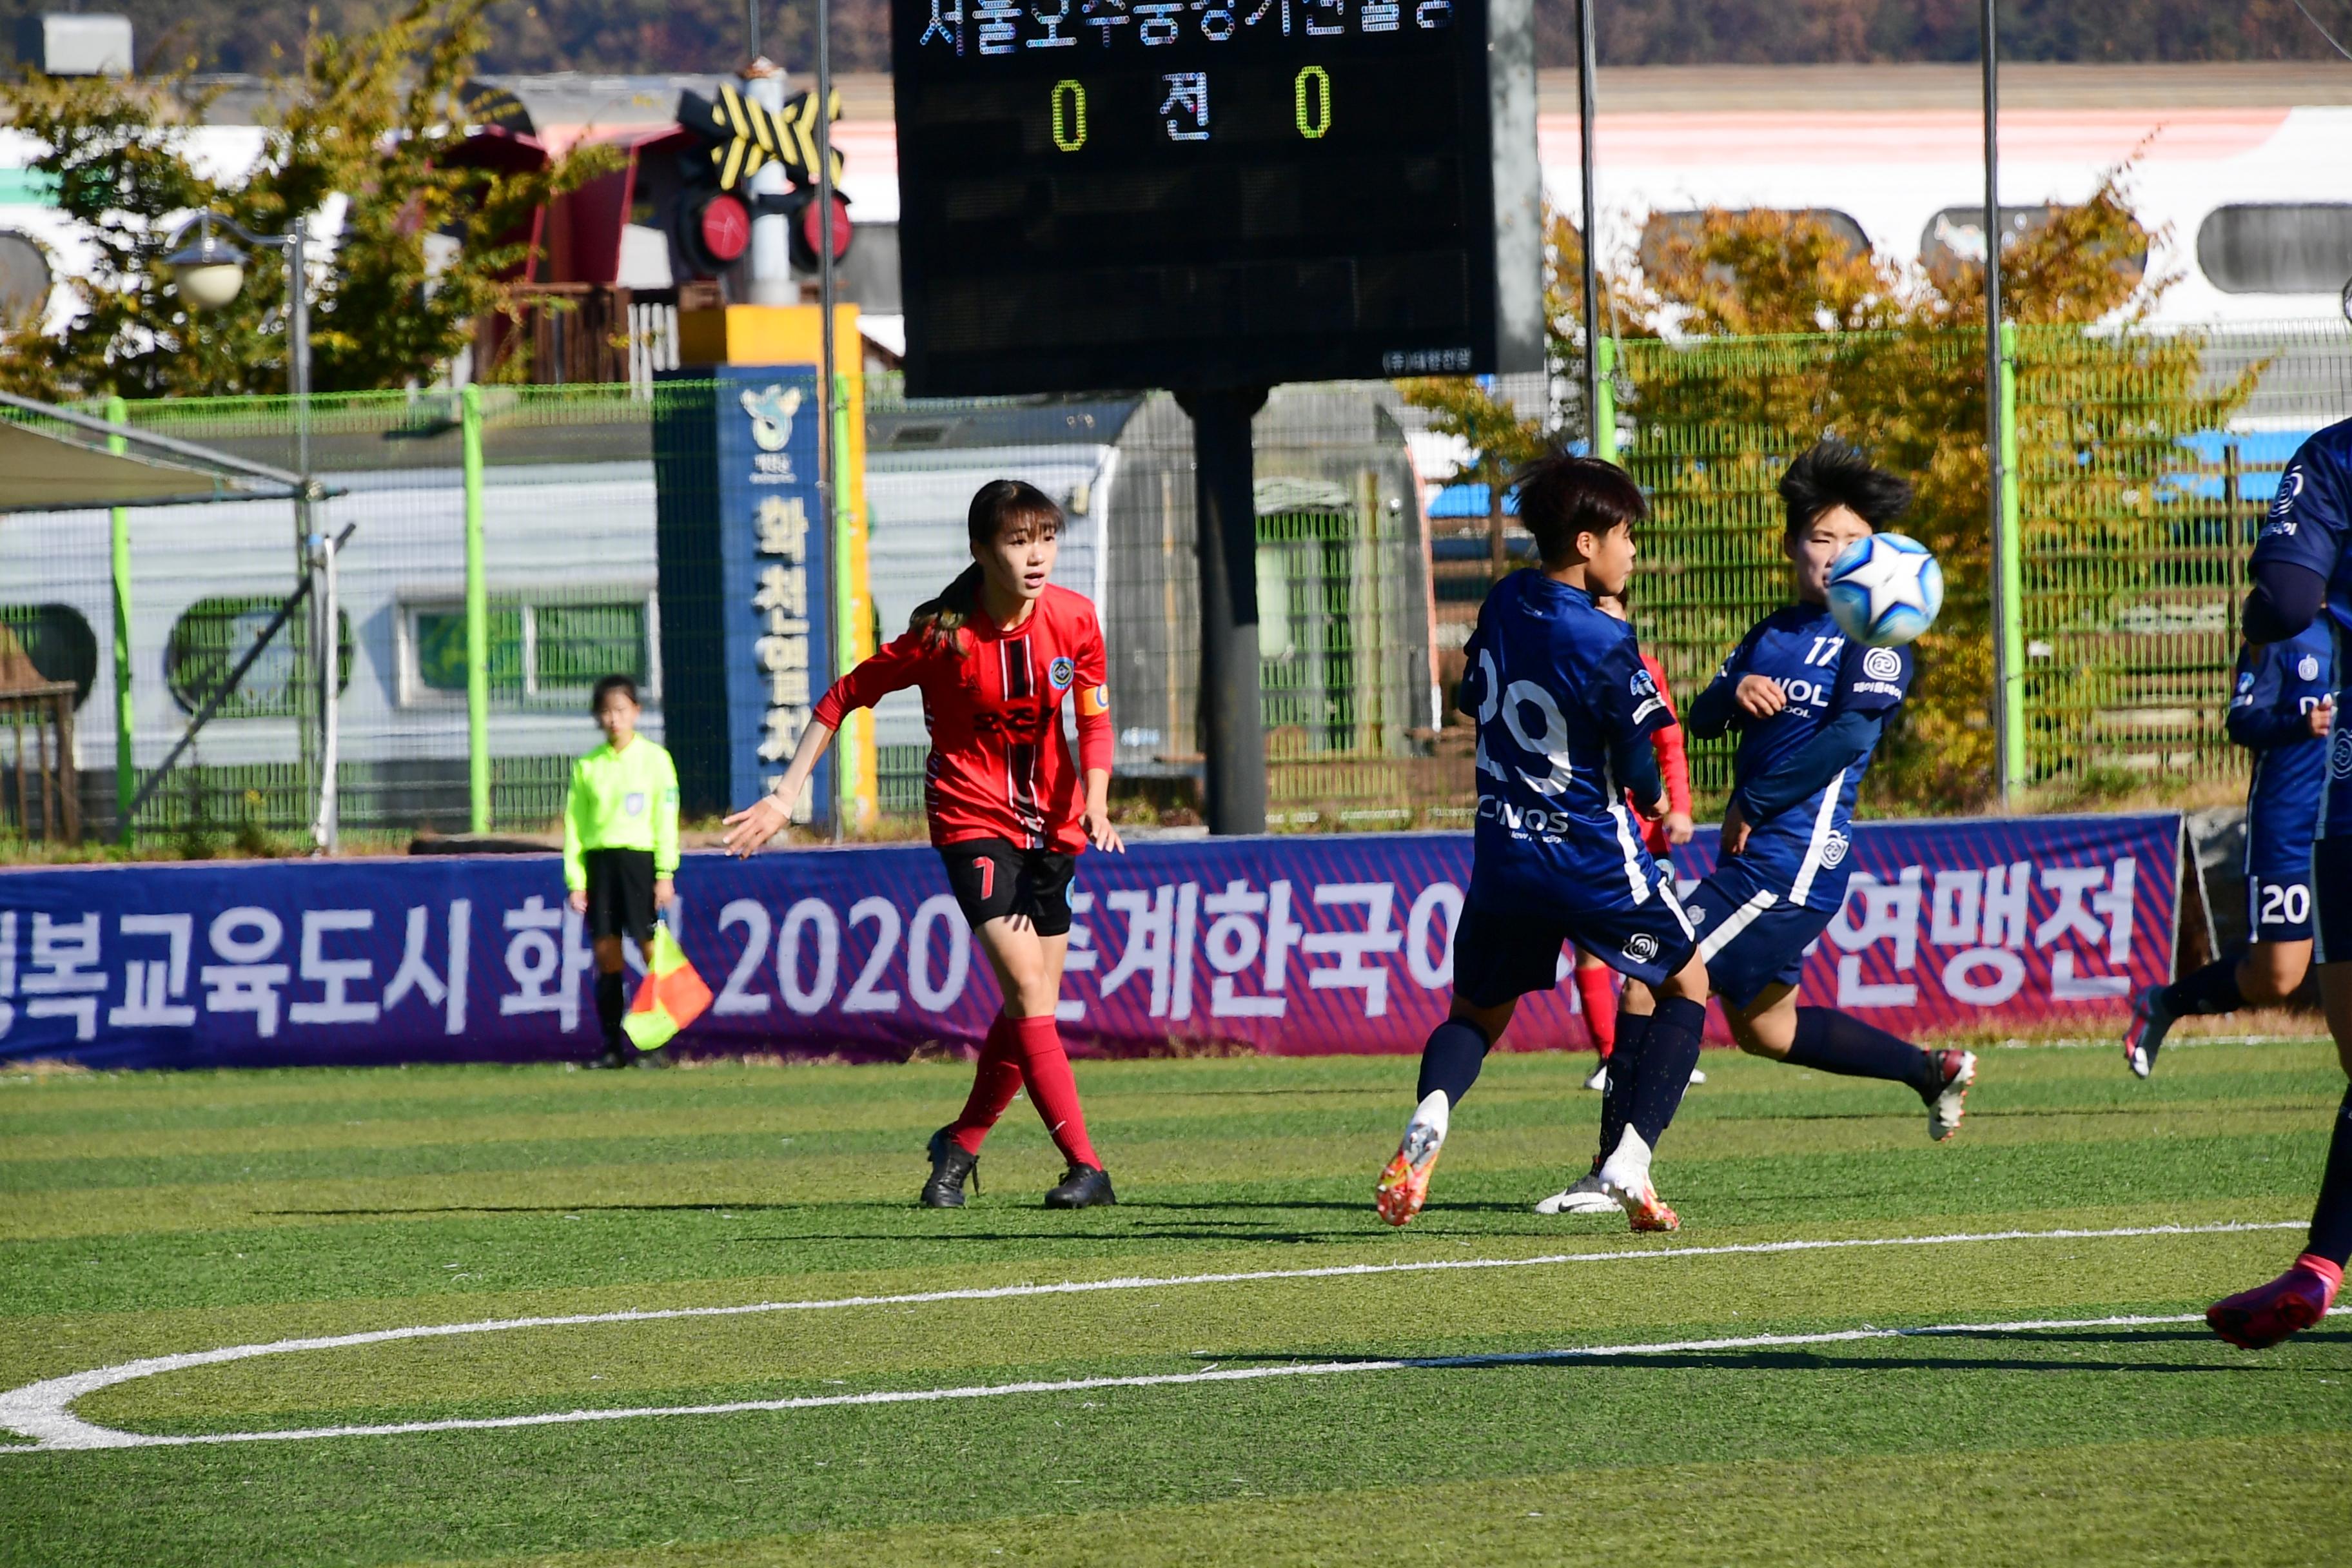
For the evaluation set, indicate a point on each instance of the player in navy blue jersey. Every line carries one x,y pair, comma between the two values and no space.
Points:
1810,707
2280,708
1565,712
2302,570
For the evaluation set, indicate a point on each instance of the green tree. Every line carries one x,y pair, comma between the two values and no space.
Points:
1782,332
368,122
1785,334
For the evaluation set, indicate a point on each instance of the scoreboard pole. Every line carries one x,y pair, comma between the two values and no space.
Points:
1233,729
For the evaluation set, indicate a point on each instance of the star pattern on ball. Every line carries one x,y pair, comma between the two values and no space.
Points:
1893,578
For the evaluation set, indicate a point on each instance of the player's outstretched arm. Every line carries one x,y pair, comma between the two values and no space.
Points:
1719,707
1095,818
2255,721
748,830
1837,745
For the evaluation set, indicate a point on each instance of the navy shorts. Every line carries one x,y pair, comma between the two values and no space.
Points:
1751,935
1501,955
2331,900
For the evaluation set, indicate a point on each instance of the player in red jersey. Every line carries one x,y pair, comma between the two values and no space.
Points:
994,655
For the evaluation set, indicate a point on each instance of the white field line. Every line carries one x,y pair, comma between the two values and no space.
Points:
42,1411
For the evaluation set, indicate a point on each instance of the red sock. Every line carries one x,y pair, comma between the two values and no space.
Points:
994,1081
1598,989
1053,1090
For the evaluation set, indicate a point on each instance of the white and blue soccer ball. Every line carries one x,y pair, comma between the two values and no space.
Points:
1885,590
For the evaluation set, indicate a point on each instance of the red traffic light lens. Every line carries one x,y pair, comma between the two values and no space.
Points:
812,228
724,228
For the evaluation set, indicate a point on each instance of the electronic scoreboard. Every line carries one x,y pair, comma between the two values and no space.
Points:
1190,194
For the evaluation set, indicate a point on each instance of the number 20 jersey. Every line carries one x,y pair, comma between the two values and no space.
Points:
2310,525
1555,685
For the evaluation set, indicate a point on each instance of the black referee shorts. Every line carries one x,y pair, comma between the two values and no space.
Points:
620,894
992,878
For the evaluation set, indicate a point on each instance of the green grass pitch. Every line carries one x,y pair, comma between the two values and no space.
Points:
154,1215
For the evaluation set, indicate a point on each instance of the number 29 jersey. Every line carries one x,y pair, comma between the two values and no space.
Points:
1556,685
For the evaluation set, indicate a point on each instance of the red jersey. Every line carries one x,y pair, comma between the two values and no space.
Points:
1673,765
999,765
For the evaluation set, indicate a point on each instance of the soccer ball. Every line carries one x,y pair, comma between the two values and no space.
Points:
1885,590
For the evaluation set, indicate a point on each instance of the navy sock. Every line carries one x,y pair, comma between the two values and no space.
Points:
2213,989
1624,1064
1668,1053
1450,1061
1832,1041
2331,1222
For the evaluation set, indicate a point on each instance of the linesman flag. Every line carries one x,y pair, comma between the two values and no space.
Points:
672,995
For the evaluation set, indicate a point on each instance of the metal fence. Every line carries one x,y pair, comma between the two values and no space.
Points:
2143,467
564,498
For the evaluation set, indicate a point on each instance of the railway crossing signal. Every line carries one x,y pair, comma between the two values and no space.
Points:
744,137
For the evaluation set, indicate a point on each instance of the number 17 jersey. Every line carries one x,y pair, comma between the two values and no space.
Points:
1556,685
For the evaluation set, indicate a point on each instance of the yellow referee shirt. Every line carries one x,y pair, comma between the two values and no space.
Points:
621,800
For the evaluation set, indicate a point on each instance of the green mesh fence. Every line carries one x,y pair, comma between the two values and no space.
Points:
2144,464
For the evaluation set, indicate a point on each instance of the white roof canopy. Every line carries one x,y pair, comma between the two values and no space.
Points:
53,460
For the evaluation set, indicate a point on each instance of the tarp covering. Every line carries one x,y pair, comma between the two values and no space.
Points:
67,461
40,471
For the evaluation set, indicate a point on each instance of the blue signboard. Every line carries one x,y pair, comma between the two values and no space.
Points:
747,569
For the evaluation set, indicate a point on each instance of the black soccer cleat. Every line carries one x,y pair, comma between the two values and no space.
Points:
610,1058
949,1166
1082,1186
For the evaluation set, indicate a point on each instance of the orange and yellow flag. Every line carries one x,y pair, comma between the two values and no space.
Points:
672,995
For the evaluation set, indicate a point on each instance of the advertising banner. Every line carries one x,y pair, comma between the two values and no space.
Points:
1286,944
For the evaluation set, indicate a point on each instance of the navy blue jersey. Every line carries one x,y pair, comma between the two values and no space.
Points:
1556,686
1799,851
2310,521
2277,687
2310,525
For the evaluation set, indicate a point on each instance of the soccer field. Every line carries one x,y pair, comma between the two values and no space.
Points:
1247,1367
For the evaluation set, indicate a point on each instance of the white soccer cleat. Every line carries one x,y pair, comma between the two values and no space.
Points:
1625,1178
1584,1198
1944,1111
1403,1187
1698,1075
1599,1082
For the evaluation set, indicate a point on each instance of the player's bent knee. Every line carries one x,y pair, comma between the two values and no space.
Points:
1688,983
1488,1021
2271,972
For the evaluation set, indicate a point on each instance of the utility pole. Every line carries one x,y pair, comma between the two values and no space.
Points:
1585,93
2005,739
1232,730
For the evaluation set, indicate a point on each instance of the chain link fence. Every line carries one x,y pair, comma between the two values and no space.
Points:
2144,467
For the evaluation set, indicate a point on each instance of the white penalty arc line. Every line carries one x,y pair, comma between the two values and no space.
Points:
42,1411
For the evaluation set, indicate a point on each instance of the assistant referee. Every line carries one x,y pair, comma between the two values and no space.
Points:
620,851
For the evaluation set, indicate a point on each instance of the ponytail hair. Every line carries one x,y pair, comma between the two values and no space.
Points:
998,505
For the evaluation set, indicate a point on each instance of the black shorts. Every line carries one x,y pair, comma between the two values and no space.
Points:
620,894
991,879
